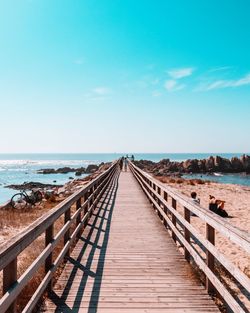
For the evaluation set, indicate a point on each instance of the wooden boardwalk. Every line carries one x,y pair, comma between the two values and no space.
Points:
125,261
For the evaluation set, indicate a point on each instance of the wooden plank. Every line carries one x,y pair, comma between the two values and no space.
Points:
210,235
9,279
49,236
126,261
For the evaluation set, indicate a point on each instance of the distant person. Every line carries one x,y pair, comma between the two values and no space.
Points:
125,164
121,164
132,158
195,200
212,204
217,206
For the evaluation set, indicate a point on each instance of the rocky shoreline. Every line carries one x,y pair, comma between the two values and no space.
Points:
55,193
91,169
65,170
213,164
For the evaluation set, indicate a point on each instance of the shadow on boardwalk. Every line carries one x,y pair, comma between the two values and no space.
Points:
98,228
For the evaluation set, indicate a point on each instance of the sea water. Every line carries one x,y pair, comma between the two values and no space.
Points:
20,168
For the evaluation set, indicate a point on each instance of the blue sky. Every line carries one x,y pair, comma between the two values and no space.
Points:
121,76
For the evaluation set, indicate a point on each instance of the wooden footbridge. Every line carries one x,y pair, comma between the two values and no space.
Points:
123,237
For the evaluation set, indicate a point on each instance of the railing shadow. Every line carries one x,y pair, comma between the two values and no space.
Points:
99,227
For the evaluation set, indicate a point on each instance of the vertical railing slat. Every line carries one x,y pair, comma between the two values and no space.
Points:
174,205
187,233
49,236
9,278
210,235
67,216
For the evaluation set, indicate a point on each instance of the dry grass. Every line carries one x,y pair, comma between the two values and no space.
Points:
12,222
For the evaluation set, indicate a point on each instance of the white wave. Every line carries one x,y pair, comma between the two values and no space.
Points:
18,163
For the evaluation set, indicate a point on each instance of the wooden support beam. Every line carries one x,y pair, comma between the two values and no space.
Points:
174,205
187,233
9,278
165,196
49,236
67,216
79,217
210,236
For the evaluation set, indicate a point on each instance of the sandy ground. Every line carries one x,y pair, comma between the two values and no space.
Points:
238,207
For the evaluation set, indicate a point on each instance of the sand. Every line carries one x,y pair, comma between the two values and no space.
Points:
238,207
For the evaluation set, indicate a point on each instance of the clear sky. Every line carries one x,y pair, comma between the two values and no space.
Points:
124,75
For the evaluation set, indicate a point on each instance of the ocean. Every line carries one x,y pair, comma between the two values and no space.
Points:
20,168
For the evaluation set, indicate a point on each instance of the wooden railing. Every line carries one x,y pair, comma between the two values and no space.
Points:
85,200
165,200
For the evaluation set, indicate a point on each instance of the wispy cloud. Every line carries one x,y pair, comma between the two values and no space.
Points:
220,68
223,83
180,72
102,91
156,93
173,85
79,61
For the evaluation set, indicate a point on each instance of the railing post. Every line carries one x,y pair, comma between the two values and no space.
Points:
86,208
173,218
79,217
165,196
92,199
67,216
159,190
49,236
9,278
187,233
210,235
159,202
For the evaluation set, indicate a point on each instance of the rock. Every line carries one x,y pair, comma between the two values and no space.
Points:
209,165
91,168
78,173
236,165
191,166
71,177
245,160
62,170
222,165
31,185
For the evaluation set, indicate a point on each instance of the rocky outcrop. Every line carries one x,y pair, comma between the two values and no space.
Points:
64,170
210,165
31,185
91,168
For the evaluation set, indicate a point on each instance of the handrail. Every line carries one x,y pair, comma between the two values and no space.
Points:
12,285
158,194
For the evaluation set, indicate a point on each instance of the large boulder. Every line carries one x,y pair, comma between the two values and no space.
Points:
245,160
91,168
209,164
191,166
222,164
237,165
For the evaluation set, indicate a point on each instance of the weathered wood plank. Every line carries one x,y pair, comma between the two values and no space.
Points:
126,262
